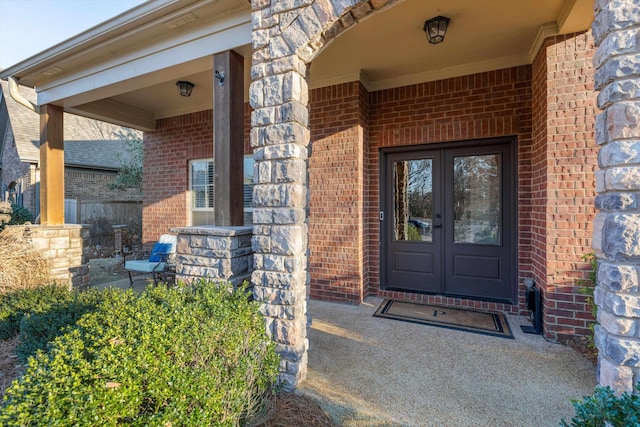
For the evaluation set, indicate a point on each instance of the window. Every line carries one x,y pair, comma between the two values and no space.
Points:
201,177
201,186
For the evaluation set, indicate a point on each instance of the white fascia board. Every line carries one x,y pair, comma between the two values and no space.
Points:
135,70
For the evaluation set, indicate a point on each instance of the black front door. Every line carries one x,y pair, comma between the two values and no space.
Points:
448,221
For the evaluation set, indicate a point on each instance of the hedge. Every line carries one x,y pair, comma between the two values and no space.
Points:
196,355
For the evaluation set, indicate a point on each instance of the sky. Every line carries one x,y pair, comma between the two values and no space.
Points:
28,27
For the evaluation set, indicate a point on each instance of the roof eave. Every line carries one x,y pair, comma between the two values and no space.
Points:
104,31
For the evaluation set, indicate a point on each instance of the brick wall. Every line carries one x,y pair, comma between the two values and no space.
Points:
336,183
564,159
88,184
167,152
349,126
485,105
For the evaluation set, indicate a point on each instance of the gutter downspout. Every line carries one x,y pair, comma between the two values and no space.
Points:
15,94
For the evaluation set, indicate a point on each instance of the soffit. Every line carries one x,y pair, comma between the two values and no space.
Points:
387,49
390,48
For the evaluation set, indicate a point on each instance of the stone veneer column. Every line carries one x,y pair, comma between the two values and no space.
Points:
286,36
616,239
280,136
68,247
217,253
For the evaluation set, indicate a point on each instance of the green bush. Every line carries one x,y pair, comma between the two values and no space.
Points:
39,327
605,407
196,355
14,306
41,314
20,215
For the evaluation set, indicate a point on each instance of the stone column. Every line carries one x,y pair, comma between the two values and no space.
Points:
279,137
616,237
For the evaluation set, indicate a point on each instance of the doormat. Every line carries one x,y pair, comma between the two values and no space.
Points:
479,322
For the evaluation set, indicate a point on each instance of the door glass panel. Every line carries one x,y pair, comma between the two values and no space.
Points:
476,199
413,200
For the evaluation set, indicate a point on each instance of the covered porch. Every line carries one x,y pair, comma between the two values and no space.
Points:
317,94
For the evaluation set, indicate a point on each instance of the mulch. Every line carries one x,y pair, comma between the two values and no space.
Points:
295,410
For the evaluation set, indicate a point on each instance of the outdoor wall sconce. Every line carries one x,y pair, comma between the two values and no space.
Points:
184,87
220,77
436,28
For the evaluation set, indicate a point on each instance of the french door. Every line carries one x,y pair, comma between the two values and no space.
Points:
448,221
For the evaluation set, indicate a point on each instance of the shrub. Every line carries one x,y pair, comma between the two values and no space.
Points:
14,306
41,326
23,265
195,355
604,408
12,214
20,215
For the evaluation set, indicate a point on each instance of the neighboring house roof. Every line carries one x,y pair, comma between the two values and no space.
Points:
87,143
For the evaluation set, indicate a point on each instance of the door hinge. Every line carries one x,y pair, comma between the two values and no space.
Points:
381,216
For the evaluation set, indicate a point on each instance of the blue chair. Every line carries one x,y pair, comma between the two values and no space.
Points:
160,261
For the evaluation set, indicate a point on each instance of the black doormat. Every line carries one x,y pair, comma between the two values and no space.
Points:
462,319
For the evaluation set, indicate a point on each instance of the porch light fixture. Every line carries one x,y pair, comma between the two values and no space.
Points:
436,28
184,87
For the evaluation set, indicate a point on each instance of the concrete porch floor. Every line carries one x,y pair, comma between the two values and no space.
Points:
368,371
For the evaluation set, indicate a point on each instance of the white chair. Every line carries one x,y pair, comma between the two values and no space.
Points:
159,261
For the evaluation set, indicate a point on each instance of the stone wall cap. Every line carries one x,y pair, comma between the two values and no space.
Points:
213,230
57,227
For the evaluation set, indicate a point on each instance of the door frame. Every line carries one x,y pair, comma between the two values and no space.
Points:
511,221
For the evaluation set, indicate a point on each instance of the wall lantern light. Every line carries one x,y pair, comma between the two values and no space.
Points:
184,87
436,28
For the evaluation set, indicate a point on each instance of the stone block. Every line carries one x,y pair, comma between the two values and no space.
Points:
288,239
617,325
623,351
325,12
623,118
626,305
618,277
340,6
619,153
625,178
290,170
621,237
602,136
619,378
285,151
617,91
616,201
280,280
256,94
183,244
261,244
279,48
288,332
219,243
40,242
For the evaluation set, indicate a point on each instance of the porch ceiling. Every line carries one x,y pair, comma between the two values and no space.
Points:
124,71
